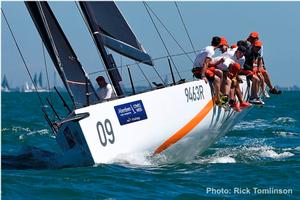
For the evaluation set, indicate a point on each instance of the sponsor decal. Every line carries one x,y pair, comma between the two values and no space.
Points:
131,112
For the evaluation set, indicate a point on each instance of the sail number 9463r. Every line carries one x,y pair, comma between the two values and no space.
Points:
194,93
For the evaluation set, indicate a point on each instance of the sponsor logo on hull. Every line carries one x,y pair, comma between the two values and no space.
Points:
130,112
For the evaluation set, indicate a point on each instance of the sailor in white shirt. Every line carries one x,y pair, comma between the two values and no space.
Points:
207,52
202,69
237,55
105,90
237,58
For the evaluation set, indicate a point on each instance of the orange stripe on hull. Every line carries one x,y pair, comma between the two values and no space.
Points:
186,128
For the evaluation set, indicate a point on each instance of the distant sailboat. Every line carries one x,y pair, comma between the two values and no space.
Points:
4,85
26,88
38,82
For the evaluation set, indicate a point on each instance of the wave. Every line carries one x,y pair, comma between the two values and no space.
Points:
257,124
16,129
255,150
263,124
41,132
286,133
284,120
29,157
213,160
273,154
292,149
26,132
137,159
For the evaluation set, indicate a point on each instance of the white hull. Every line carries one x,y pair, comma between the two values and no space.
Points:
175,122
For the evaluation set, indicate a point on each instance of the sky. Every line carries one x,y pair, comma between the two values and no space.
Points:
276,22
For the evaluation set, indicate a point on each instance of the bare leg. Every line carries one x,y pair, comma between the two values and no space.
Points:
239,93
227,85
262,82
254,87
220,75
267,80
217,83
232,93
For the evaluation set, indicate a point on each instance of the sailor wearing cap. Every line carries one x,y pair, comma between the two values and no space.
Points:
252,38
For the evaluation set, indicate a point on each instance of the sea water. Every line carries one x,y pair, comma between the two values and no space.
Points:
258,159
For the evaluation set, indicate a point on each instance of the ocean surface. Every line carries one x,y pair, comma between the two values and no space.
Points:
258,159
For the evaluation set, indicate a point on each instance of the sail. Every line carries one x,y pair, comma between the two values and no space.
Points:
4,83
27,86
40,80
108,22
34,80
66,63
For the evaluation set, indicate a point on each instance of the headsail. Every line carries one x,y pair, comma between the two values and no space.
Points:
69,68
35,81
4,83
40,80
108,21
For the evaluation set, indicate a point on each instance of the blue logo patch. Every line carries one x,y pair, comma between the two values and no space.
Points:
131,112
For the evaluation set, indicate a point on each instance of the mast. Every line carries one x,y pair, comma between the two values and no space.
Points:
107,59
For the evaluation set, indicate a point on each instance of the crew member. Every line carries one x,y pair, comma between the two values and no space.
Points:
203,70
239,59
252,38
105,90
250,69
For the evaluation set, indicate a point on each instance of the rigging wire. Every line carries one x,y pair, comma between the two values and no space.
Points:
146,6
186,31
46,68
23,59
143,74
48,82
169,32
159,75
153,59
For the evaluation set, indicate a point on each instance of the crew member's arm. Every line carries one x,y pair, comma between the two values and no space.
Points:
220,61
109,93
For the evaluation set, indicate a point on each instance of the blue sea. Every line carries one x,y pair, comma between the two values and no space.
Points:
258,159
